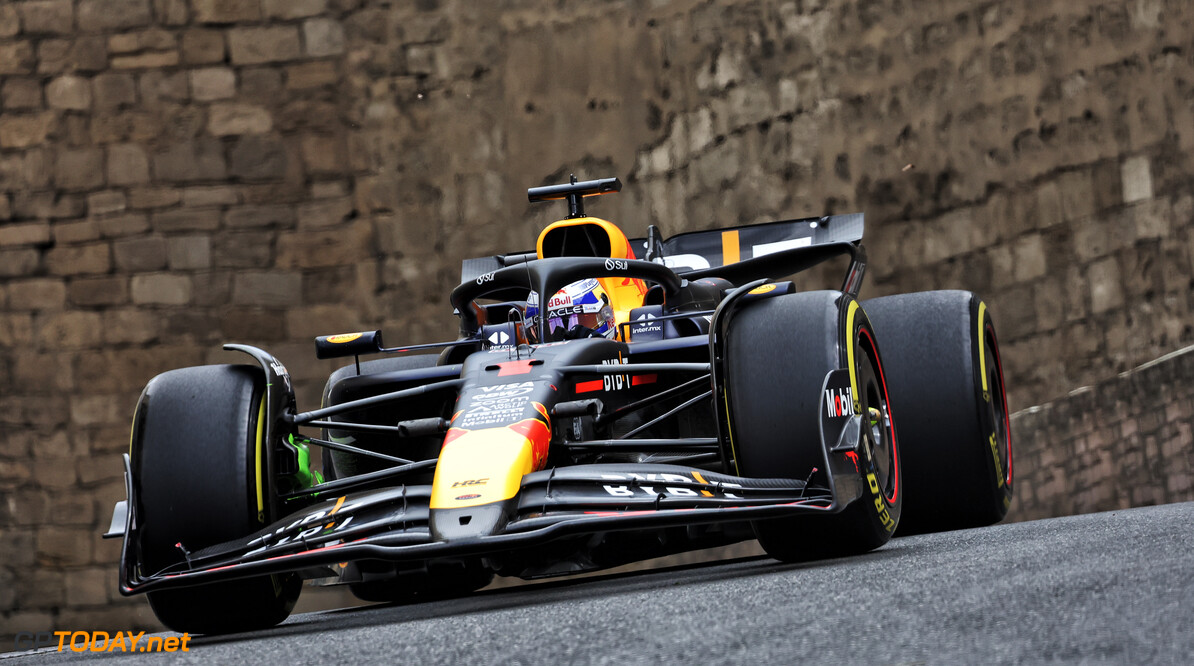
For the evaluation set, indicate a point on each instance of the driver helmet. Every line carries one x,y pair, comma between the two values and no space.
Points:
579,310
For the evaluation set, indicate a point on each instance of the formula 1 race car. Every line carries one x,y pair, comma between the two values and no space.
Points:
597,409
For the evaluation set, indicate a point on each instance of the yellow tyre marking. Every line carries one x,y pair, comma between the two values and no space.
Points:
850,355
700,479
730,254
982,355
730,432
257,461
133,429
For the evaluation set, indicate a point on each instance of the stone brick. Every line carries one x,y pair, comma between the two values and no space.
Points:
1136,175
134,326
307,75
10,21
5,207
266,288
258,83
258,157
69,92
81,54
1029,253
154,197
68,330
1106,290
190,161
161,289
28,620
16,329
237,118
171,12
69,546
127,164
254,46
16,58
1150,219
323,37
32,233
226,11
260,216
140,254
187,219
308,321
213,195
328,189
106,202
78,259
150,60
23,131
20,93
37,294
81,169
100,291
87,587
243,250
201,47
104,15
154,39
330,212
157,87
18,262
55,17
325,248
124,126
91,410
123,225
212,83
27,507
253,324
189,252
27,205
323,154
293,9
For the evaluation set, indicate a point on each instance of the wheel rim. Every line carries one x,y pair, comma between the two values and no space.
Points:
879,435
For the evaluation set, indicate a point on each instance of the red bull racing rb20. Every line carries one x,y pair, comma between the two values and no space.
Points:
608,400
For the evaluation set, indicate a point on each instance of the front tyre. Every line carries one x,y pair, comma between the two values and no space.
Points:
196,450
778,353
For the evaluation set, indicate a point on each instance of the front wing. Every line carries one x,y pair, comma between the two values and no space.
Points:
392,524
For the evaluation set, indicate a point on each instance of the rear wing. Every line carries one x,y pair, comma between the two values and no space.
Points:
740,254
703,250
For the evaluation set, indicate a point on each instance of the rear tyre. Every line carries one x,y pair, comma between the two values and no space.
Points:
779,351
196,443
944,366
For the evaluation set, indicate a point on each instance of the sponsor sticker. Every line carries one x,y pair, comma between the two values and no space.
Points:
839,402
343,337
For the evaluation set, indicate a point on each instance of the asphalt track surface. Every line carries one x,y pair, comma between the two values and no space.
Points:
1114,588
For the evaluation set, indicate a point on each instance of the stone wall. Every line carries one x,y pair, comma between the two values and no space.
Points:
1126,441
179,173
